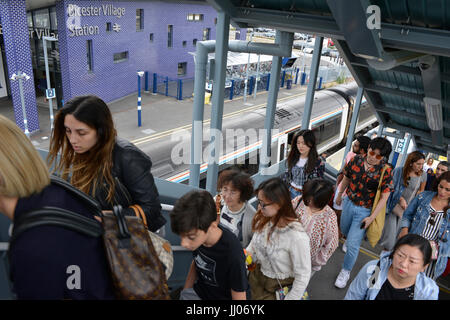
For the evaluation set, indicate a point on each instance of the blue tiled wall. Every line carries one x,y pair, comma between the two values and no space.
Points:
110,80
18,58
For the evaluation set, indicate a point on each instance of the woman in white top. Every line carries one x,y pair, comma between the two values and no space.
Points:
279,247
236,214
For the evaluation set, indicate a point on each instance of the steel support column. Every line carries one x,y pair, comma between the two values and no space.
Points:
312,83
264,155
351,131
223,29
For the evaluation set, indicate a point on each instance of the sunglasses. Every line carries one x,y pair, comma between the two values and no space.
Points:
263,205
432,219
377,156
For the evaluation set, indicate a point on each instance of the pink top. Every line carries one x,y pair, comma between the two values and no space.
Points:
322,229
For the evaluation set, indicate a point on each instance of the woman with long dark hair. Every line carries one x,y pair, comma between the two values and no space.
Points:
409,181
99,163
279,247
40,259
303,162
428,215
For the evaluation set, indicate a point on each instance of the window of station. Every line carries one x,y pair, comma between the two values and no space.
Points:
139,19
89,55
194,42
182,68
194,17
184,43
169,36
30,19
42,19
206,34
108,27
53,20
151,37
120,57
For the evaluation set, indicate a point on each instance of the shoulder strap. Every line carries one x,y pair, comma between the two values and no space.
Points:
382,176
51,216
90,202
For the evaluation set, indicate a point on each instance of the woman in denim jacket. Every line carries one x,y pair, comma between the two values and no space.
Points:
430,209
408,181
398,275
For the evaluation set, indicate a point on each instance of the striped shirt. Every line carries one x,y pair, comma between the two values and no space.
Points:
431,232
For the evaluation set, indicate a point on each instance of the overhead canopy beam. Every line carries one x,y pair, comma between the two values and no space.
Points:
350,16
396,92
424,40
431,80
370,96
432,41
289,21
417,132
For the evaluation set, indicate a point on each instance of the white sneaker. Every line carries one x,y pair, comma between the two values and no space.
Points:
342,279
344,247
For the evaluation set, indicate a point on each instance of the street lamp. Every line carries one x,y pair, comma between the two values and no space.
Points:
50,94
246,76
140,75
20,76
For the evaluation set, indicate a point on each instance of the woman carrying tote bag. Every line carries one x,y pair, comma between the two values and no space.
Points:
409,180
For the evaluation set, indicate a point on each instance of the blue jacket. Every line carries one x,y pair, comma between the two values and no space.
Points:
368,283
399,187
415,218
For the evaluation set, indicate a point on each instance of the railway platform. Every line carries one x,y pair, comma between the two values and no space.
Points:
160,114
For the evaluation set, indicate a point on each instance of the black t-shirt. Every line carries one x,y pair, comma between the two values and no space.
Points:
49,262
388,292
220,268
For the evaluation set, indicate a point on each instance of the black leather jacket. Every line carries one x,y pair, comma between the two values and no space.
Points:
134,184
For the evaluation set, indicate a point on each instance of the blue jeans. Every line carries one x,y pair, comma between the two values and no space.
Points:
351,218
294,193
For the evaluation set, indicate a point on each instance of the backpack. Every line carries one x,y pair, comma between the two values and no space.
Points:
128,246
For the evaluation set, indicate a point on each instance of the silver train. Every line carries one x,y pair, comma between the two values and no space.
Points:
330,120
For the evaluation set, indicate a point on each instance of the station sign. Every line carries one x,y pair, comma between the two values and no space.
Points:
50,93
400,146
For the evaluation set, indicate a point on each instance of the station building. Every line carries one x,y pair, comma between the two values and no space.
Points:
99,47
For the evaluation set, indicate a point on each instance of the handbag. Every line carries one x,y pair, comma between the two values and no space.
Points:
281,293
137,272
398,210
375,229
162,246
434,249
135,269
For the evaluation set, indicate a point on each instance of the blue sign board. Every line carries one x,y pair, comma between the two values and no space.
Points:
50,93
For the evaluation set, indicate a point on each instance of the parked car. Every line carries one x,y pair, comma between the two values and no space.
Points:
309,49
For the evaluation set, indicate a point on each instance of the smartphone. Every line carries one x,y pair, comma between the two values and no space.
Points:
363,225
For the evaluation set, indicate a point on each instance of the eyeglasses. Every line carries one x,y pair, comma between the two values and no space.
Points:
228,191
263,205
378,156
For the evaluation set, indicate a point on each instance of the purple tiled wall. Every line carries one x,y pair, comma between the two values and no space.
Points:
110,80
18,58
